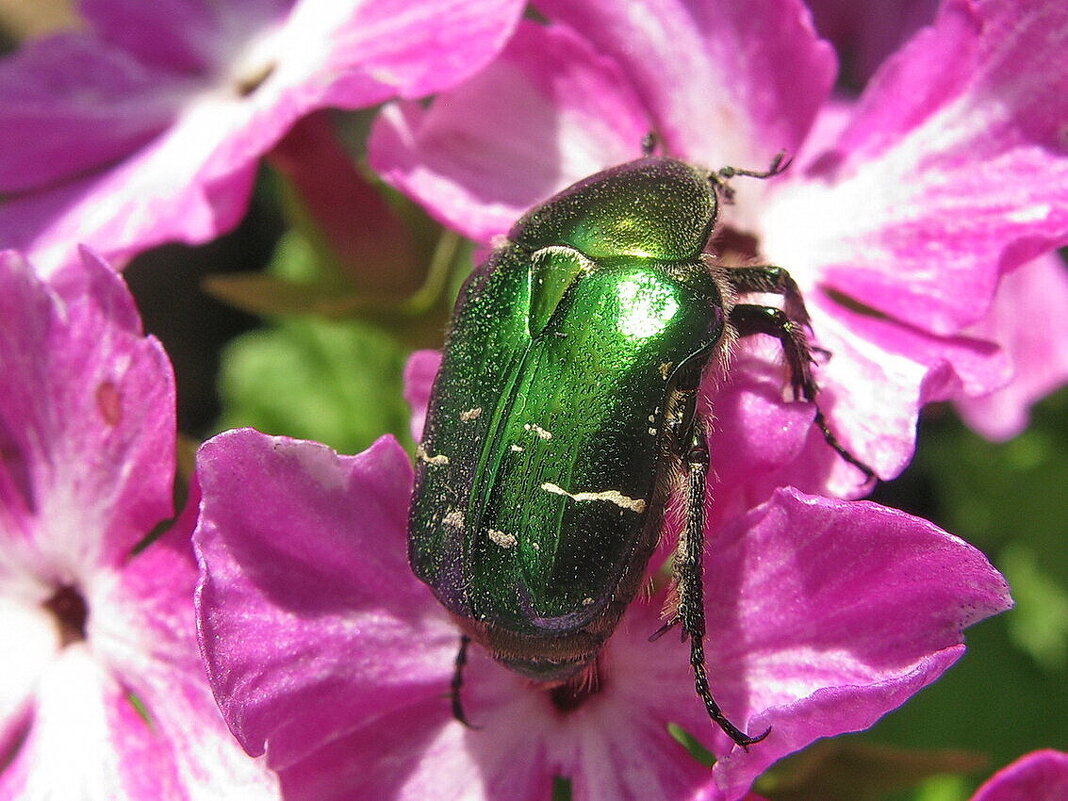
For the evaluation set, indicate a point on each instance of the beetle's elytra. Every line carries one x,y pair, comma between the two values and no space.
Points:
565,404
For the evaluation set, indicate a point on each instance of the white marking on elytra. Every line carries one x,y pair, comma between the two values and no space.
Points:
501,538
536,546
652,431
517,448
471,414
612,496
422,455
587,601
541,432
454,519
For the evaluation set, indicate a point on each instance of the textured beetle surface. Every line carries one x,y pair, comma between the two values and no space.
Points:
533,520
565,404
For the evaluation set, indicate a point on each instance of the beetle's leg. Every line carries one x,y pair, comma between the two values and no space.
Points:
750,319
458,683
773,280
691,586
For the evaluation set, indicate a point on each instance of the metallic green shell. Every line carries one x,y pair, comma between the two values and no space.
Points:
544,439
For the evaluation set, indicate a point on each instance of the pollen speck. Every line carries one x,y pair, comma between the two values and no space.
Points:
541,432
501,538
423,456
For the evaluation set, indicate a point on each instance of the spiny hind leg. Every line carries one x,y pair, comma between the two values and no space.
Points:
689,577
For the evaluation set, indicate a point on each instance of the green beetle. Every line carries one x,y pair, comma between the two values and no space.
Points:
564,414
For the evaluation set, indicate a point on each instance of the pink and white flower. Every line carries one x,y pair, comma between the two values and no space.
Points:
328,656
950,172
148,127
102,692
1028,320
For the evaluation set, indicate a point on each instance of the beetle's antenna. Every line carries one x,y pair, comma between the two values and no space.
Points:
778,165
720,178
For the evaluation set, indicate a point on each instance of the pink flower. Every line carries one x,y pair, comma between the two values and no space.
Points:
326,653
864,34
148,127
102,689
1038,776
951,171
1030,321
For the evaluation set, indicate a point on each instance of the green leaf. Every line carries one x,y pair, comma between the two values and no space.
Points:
1039,624
847,769
297,283
691,744
943,788
335,382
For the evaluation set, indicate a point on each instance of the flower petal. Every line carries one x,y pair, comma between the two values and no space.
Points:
68,105
561,104
1030,320
86,416
487,151
879,375
828,614
615,744
954,169
876,376
865,34
754,434
417,753
730,82
28,625
299,577
179,35
1038,776
85,722
144,625
419,376
193,181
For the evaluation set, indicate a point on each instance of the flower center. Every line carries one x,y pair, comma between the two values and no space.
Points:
71,613
573,693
